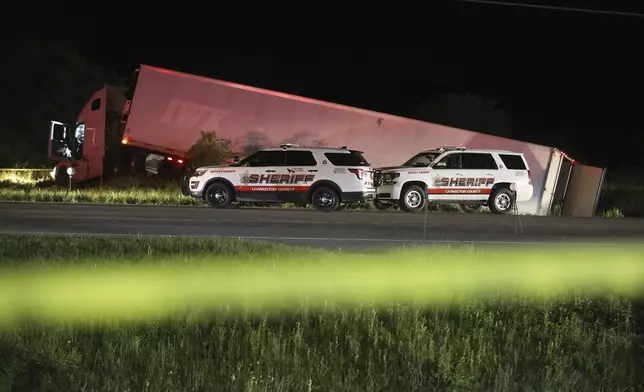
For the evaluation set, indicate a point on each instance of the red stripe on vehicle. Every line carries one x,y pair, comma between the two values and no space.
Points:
268,188
459,191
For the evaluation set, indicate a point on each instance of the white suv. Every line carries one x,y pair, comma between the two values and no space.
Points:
325,177
456,175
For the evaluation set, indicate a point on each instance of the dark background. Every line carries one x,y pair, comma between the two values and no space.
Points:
567,79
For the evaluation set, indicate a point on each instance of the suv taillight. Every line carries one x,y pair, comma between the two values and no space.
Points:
529,177
357,172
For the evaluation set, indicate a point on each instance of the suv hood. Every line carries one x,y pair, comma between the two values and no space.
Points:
211,167
395,168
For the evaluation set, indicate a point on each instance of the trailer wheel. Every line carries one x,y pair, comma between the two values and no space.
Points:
218,195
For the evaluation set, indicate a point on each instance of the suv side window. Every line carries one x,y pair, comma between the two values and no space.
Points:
300,158
353,158
513,161
478,161
453,161
267,158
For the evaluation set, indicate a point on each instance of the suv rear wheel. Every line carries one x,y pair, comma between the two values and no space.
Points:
325,199
501,201
413,198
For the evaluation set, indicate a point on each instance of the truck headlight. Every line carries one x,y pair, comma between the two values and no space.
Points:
199,173
389,178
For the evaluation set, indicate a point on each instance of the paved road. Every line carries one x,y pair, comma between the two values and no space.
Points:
348,229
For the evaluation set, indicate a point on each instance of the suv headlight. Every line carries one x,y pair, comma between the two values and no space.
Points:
199,172
389,178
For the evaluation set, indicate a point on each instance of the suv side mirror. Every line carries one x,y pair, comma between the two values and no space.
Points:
235,159
441,164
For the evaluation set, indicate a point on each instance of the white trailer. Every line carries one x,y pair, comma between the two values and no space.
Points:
169,109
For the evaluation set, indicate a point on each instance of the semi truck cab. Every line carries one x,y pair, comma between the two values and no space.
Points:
82,146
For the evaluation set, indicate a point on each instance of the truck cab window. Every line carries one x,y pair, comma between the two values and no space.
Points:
96,104
451,161
79,141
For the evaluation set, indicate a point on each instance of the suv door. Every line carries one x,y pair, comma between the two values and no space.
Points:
259,176
60,145
445,177
301,172
480,171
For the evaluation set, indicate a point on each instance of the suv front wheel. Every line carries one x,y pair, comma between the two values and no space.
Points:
501,201
325,199
413,198
218,195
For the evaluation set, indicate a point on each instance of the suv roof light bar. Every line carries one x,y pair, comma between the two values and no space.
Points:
449,148
287,145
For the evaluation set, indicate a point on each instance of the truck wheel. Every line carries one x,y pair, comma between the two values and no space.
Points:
62,178
185,179
325,199
413,199
137,164
470,208
501,201
218,195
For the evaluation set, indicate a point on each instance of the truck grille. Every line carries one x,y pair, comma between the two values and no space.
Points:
376,177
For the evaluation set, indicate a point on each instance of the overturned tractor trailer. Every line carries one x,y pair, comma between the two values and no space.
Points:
151,126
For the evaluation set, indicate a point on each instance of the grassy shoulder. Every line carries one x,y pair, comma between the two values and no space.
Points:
129,190
618,199
497,342
22,187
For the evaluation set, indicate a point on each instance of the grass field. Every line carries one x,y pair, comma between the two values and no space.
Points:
574,343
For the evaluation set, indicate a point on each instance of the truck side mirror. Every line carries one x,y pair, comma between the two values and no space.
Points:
441,164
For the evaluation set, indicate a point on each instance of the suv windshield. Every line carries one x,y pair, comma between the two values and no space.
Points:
422,159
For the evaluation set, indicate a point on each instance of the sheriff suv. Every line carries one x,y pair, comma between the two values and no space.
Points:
456,175
325,177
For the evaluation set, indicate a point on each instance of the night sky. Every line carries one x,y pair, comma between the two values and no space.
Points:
576,76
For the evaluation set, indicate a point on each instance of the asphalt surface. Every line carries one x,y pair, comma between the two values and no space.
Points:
347,229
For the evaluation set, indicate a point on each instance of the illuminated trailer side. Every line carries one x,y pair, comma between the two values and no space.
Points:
168,110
